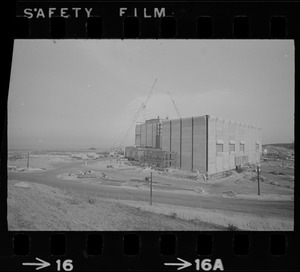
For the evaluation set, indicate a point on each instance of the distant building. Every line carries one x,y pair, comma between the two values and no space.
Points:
206,144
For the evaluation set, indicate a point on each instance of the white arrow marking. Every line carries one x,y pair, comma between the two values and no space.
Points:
41,264
183,264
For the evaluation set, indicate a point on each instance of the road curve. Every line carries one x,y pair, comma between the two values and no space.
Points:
249,206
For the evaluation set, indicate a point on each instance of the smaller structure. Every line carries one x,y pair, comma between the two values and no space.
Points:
151,156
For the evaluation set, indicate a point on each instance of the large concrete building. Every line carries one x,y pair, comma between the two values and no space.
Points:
206,144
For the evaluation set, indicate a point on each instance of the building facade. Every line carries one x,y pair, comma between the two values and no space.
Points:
148,134
205,143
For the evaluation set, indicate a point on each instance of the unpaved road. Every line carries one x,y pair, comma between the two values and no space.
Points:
187,197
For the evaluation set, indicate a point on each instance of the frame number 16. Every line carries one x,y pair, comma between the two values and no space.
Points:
66,265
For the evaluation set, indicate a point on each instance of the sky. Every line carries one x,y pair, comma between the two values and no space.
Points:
85,93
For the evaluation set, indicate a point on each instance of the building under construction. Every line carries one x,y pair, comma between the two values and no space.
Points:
206,144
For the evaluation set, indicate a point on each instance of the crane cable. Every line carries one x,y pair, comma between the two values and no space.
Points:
176,109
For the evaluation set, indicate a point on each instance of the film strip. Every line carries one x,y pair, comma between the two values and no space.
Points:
230,248
144,21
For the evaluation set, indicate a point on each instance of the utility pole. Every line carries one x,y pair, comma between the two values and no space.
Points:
258,185
28,160
151,188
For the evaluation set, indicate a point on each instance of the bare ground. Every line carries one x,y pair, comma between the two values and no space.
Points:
239,221
33,206
38,207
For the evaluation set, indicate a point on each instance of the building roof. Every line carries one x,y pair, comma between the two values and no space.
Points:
215,117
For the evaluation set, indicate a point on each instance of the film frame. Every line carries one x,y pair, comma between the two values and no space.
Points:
149,251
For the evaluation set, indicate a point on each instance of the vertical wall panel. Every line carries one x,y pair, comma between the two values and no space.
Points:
258,138
251,144
255,138
149,134
231,130
154,129
219,163
138,135
212,138
175,139
186,149
232,138
165,137
143,135
138,140
242,132
219,129
219,134
138,129
199,145
237,139
226,145
247,140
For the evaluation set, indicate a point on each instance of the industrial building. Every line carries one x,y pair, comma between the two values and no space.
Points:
206,144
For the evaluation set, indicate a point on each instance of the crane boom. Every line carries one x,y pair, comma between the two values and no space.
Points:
176,109
150,93
143,105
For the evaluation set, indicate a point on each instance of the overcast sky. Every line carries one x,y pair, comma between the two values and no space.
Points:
81,94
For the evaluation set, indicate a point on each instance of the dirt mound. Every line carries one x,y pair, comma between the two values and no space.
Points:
182,174
22,184
230,194
87,174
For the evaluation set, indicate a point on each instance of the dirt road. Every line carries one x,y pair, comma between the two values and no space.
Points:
224,201
188,198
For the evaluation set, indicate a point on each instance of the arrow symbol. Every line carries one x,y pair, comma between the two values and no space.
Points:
183,264
42,264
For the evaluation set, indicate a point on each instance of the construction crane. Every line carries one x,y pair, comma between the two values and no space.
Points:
176,109
136,116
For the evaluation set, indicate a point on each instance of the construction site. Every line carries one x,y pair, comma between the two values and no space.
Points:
74,190
206,144
197,173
